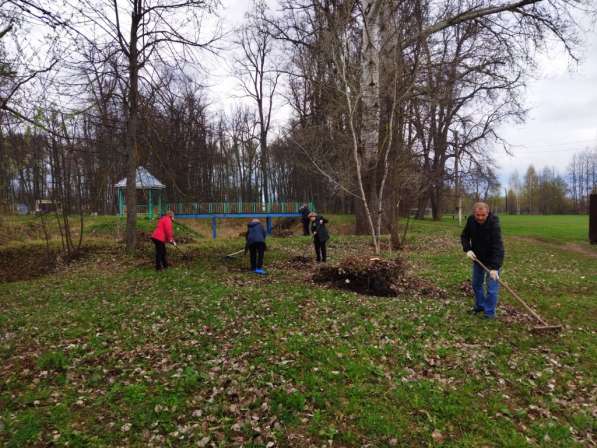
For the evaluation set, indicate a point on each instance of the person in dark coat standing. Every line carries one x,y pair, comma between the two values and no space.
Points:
320,235
256,245
305,218
163,233
482,240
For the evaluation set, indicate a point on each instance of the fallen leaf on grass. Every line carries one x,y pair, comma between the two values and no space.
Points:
437,436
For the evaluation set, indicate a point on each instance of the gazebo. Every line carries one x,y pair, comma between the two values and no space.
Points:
145,181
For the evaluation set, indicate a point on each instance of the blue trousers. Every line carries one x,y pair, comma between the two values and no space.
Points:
485,301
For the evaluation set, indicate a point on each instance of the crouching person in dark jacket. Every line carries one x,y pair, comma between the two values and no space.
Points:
320,236
256,245
482,240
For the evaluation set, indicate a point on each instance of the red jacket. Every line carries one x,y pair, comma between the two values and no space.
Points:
163,231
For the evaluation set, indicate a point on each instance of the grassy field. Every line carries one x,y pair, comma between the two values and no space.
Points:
551,228
107,352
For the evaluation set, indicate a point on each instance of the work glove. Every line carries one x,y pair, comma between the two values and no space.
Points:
471,255
494,275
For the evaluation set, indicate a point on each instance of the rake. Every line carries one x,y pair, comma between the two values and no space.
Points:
230,256
544,327
185,255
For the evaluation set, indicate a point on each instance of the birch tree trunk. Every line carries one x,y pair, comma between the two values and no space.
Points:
370,120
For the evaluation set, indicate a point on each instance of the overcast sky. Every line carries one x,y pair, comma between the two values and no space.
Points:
563,113
561,98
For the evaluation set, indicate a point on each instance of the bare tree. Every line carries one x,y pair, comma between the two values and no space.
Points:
259,77
28,64
153,28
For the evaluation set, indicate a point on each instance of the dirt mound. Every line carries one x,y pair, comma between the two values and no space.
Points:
20,263
33,261
378,277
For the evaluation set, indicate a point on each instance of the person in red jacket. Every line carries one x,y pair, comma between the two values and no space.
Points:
163,233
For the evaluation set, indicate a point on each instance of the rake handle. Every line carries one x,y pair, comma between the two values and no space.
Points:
235,253
516,296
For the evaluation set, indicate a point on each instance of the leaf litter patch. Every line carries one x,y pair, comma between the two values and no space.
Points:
282,233
299,261
377,277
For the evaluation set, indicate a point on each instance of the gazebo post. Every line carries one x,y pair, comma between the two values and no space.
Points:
149,206
120,202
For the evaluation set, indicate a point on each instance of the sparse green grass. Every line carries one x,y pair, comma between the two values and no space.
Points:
109,353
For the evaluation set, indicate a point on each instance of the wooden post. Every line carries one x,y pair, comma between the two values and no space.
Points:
593,218
457,178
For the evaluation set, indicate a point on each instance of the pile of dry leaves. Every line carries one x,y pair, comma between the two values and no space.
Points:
378,277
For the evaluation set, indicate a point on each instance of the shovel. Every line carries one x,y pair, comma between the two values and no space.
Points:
544,327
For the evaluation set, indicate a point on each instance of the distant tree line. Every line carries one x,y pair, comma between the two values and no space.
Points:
549,191
197,156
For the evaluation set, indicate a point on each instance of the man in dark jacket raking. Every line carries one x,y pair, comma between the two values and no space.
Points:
256,245
482,240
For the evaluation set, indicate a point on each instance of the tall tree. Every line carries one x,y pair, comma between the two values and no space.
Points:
259,76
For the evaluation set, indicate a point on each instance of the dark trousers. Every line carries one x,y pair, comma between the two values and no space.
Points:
320,252
306,226
160,254
256,251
